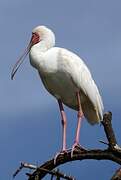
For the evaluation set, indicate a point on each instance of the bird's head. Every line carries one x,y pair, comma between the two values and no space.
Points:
39,34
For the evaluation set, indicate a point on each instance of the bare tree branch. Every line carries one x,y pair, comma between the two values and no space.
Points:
24,165
113,152
56,173
107,118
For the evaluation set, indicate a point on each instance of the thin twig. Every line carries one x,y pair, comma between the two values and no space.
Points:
57,174
53,173
24,165
104,142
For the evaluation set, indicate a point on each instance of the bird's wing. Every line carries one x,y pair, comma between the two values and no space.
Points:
82,78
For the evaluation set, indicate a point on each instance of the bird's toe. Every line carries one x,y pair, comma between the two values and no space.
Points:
76,148
61,153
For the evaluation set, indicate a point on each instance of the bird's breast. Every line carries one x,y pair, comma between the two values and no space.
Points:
61,86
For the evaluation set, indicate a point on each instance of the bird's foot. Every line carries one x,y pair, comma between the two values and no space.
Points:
77,148
59,154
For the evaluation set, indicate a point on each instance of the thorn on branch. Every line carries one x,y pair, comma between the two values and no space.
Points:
104,142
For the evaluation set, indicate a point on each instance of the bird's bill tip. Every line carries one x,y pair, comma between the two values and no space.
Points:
12,75
20,61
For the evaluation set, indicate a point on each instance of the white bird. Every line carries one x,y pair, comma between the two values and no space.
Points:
66,77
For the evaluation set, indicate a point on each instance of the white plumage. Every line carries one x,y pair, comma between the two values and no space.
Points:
65,76
63,73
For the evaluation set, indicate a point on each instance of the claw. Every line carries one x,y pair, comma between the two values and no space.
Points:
76,147
61,153
73,148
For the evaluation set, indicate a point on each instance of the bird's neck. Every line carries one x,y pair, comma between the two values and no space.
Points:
40,47
37,52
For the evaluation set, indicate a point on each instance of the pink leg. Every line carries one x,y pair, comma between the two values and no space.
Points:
80,116
64,125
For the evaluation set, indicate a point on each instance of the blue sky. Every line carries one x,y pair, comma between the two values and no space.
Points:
30,128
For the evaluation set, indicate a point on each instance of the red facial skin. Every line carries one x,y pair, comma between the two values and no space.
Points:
35,39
